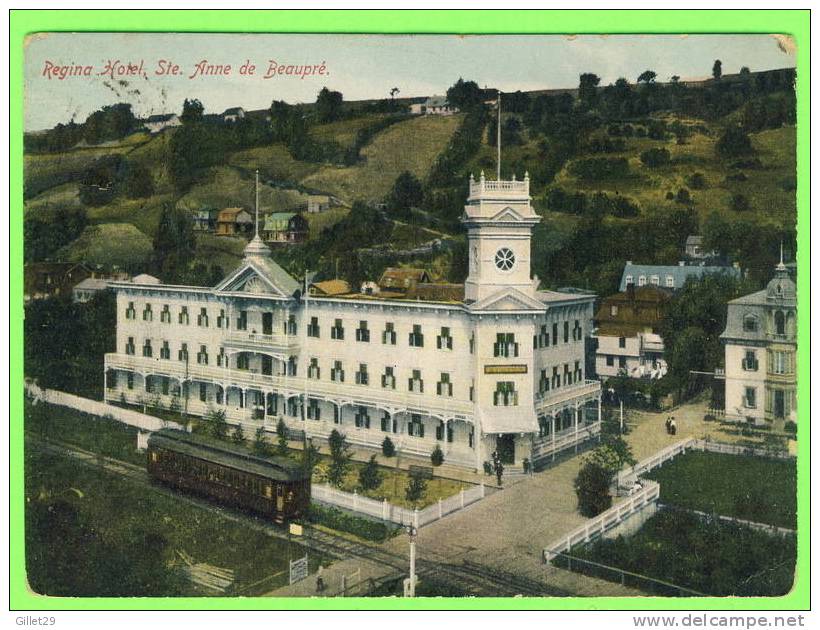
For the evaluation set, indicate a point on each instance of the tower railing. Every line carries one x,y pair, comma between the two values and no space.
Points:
482,185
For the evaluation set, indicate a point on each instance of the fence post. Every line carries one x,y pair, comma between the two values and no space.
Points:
461,494
439,507
482,490
416,518
385,510
355,501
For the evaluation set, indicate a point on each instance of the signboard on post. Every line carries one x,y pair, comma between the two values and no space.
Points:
298,570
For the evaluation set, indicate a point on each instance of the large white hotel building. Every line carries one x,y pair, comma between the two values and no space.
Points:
501,370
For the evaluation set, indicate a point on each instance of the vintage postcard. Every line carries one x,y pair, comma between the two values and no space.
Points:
332,316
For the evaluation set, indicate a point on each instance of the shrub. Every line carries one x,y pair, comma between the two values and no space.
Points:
217,424
362,527
592,489
740,176
733,143
655,157
260,442
416,487
670,195
790,427
437,456
339,458
696,181
369,476
238,436
683,196
739,202
281,437
388,448
600,168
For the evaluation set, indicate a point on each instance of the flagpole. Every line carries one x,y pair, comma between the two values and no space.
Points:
498,139
257,203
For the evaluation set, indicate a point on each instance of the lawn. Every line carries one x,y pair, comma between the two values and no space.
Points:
109,244
751,488
713,558
120,512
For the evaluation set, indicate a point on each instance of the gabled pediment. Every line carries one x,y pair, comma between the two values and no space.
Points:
508,214
256,278
507,299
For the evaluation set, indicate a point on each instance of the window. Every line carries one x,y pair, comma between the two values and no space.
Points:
221,320
147,315
314,371
556,378
337,374
183,315
415,427
111,379
543,337
338,331
566,331
314,412
610,360
440,430
444,341
578,373
202,318
621,362
504,259
129,380
641,281
577,331
629,280
293,406
505,345
363,332
290,325
567,375
386,423
389,334
416,339
622,342
203,392
472,390
165,314
543,382
444,387
243,361
750,398
129,347
130,312
362,377
165,351
388,378
415,383
779,323
242,320
781,362
750,323
655,280
505,394
164,383
146,348
670,282
182,355
362,419
222,358
290,366
202,355
472,343
313,327
613,310
555,334
749,362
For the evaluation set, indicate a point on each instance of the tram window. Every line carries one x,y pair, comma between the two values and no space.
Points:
268,491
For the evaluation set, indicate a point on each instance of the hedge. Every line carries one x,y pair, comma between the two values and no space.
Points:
335,518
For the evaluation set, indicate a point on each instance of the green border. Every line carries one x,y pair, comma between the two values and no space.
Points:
792,22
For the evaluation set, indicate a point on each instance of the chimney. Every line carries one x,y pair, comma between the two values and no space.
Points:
681,263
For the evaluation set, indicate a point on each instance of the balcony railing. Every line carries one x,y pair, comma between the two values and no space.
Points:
561,395
481,186
255,341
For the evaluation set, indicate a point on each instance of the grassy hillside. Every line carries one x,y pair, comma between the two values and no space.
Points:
411,145
110,244
343,132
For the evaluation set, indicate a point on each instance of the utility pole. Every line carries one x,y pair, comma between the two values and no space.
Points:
498,139
410,585
622,416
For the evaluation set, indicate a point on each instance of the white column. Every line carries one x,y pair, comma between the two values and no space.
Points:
575,417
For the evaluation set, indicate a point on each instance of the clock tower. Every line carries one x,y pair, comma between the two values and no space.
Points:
499,221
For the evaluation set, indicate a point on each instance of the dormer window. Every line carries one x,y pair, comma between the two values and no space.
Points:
750,323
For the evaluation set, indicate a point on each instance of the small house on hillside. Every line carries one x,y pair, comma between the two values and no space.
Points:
233,114
231,221
317,203
46,279
285,227
694,248
205,219
87,289
158,122
435,105
330,287
402,279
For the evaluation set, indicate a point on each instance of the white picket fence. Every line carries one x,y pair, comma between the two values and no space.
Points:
394,513
606,520
628,476
126,416
735,449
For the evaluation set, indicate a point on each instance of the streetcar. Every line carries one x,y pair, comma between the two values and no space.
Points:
275,487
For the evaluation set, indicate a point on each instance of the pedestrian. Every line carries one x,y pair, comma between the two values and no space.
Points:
673,428
499,470
668,425
320,581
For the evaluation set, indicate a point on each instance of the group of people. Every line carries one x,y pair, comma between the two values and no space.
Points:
671,427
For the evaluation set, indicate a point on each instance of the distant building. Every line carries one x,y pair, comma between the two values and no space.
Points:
233,114
144,278
435,105
87,289
158,122
694,248
628,340
318,203
402,279
53,279
330,287
205,219
670,276
285,227
231,221
760,343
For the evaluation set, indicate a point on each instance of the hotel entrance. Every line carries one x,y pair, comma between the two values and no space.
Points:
505,446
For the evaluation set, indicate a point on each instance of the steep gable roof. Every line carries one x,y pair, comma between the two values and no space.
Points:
263,274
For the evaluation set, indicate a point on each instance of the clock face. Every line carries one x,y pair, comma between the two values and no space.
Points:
505,259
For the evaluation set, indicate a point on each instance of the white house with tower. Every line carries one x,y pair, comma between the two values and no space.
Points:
500,370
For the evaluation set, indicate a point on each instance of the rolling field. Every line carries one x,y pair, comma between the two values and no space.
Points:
109,244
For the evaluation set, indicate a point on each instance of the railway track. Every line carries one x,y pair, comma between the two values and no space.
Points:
470,577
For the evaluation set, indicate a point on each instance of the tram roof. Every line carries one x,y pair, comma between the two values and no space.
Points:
227,454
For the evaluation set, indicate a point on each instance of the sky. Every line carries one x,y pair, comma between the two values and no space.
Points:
359,66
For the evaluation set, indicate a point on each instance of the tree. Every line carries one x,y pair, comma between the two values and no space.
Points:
734,142
310,456
647,76
328,105
138,182
369,476
174,243
407,193
683,196
238,436
588,89
393,93
192,111
260,442
744,71
592,489
340,456
655,157
697,181
416,488
464,95
437,456
281,437
717,69
217,423
388,448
